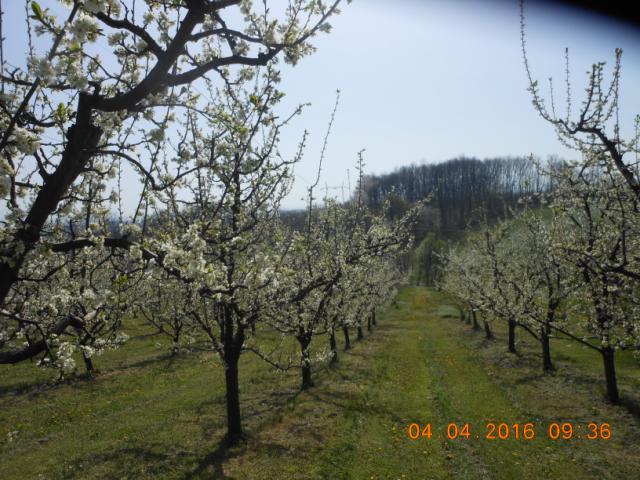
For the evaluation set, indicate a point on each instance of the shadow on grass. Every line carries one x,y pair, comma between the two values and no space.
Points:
212,465
214,461
632,405
168,358
85,379
340,400
39,386
144,336
130,462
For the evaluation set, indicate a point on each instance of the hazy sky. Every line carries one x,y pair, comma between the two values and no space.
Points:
428,80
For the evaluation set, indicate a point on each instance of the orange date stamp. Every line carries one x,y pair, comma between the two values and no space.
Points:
515,431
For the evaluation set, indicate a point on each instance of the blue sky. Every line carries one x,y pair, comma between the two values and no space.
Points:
429,80
425,81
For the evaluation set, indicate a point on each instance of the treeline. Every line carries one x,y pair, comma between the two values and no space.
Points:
457,188
456,191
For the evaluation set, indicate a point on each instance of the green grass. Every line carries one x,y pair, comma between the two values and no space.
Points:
146,415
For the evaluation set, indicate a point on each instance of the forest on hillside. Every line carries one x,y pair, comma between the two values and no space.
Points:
457,187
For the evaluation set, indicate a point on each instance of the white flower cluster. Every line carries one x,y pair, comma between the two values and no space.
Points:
95,6
26,141
84,28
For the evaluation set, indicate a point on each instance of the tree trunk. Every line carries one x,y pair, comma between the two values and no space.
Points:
512,336
305,363
334,346
488,334
369,323
547,365
474,317
88,363
347,340
176,342
234,423
233,339
307,383
610,374
373,318
360,333
462,315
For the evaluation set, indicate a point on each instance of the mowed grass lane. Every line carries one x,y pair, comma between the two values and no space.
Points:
148,416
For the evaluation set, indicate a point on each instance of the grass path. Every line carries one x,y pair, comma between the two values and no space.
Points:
151,417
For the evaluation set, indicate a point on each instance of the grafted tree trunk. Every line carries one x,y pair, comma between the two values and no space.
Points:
474,317
347,340
373,318
88,363
545,332
232,343
234,420
176,340
174,346
512,335
333,345
610,374
360,332
488,334
307,383
369,323
305,361
547,365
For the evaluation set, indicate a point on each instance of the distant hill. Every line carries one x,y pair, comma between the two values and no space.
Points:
457,188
